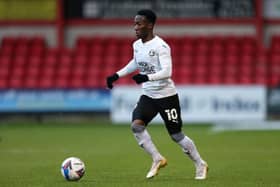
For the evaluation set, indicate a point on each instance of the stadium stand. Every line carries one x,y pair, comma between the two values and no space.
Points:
28,63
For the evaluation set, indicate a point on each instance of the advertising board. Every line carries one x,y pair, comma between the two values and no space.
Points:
54,100
200,103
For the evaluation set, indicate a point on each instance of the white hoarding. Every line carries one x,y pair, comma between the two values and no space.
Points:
200,103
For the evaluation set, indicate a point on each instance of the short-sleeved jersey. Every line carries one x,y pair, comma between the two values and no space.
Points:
152,58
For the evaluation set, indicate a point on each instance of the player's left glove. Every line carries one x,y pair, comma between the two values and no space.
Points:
139,78
111,79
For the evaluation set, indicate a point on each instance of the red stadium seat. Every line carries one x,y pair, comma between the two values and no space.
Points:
3,83
232,45
83,42
196,60
19,61
231,70
261,80
16,82
112,50
183,72
261,69
184,80
31,83
92,82
216,59
34,61
96,61
246,79
186,60
76,82
80,59
97,50
201,60
46,82
5,62
175,45
78,70
200,70
65,61
246,70
18,71
38,40
274,58
215,79
61,82
125,81
274,81
8,44
53,52
275,44
8,41
32,71
82,51
93,72
37,51
47,72
215,70
232,59
50,61
4,73
248,48
63,72
247,59
216,48
275,69
7,51
111,61
202,45
200,80
230,79
187,48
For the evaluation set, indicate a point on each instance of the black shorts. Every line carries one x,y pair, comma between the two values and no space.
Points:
168,108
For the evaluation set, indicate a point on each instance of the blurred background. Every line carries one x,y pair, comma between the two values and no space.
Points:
56,54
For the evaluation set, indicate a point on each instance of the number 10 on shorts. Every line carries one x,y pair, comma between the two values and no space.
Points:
171,114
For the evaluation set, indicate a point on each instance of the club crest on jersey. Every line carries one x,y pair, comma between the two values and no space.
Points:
152,52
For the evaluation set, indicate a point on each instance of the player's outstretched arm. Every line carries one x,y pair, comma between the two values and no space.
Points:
111,79
130,67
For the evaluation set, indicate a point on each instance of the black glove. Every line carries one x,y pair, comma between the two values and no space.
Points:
139,78
112,79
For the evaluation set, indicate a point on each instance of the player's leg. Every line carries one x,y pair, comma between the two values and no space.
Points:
190,149
171,114
143,113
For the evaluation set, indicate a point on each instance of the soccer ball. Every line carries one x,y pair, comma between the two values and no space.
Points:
73,169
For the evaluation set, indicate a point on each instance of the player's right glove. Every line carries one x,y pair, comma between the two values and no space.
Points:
112,79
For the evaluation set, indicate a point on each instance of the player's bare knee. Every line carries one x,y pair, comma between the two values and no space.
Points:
137,128
177,137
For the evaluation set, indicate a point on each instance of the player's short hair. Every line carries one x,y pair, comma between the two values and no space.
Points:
149,14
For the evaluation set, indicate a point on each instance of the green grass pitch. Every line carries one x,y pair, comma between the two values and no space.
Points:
31,155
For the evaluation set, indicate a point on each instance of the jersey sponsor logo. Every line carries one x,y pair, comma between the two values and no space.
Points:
144,67
152,52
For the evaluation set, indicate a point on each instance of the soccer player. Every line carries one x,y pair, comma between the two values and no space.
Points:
152,57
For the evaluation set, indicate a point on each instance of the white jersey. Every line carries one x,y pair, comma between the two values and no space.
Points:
152,58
